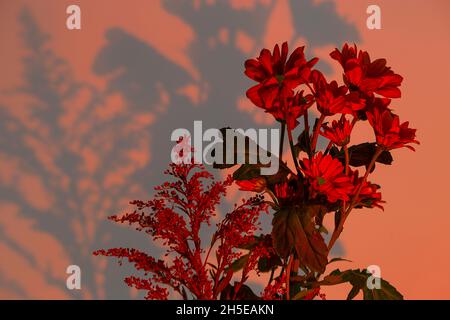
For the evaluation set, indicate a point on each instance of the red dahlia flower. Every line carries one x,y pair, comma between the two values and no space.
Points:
332,98
339,132
291,108
389,133
369,196
326,176
289,192
360,74
377,103
277,75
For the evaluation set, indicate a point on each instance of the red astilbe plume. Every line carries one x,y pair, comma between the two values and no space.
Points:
175,216
157,270
326,176
366,76
234,232
275,290
277,74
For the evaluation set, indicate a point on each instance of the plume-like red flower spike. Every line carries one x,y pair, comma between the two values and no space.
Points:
366,76
339,132
277,74
175,216
275,290
389,132
326,176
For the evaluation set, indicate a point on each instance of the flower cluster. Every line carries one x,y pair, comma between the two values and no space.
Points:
175,217
324,179
366,93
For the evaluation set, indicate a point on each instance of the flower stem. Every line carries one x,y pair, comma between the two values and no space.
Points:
272,273
310,88
306,119
294,158
338,230
316,133
207,255
347,160
283,129
288,276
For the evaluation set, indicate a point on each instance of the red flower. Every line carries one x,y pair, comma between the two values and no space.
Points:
256,184
360,74
369,195
339,133
388,131
291,108
277,75
332,98
376,103
326,176
289,192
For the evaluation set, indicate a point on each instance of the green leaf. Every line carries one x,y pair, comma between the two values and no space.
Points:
353,293
302,294
249,170
251,149
240,263
251,244
322,229
294,230
386,292
358,279
362,154
266,264
246,293
338,260
295,288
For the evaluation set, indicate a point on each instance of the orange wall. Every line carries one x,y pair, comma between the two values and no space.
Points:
38,193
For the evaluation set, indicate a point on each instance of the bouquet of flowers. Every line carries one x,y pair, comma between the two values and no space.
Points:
332,179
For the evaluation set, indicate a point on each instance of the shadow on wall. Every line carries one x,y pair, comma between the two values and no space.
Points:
73,154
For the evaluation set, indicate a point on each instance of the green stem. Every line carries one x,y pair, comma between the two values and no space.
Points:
294,158
272,273
288,276
306,118
283,129
316,133
338,230
347,160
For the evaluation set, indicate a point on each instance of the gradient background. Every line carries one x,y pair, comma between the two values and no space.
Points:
86,117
